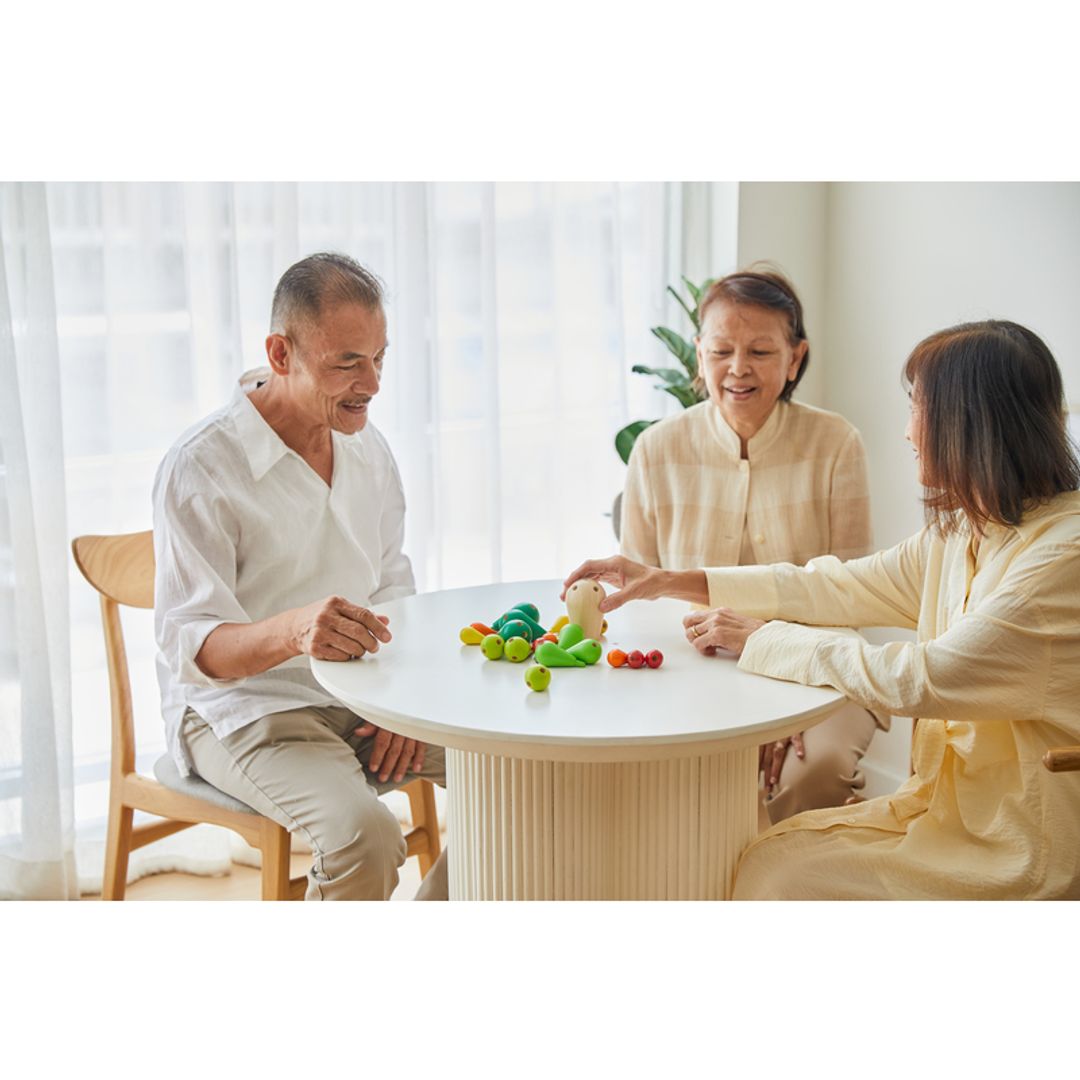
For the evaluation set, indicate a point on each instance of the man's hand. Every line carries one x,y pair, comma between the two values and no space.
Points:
633,580
720,628
392,754
335,629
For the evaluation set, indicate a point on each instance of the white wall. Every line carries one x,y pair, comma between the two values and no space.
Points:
905,260
880,266
785,224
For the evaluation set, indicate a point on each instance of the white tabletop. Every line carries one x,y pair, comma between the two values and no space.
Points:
426,685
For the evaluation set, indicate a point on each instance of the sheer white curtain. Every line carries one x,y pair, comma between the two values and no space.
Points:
36,817
515,313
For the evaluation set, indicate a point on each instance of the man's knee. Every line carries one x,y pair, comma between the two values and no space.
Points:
358,852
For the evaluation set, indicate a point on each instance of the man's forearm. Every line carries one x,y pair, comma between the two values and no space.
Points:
236,650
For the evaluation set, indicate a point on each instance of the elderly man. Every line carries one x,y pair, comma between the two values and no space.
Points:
278,520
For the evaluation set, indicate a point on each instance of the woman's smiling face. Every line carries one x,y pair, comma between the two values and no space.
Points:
746,358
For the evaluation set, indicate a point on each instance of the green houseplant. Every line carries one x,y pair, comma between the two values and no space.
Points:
677,381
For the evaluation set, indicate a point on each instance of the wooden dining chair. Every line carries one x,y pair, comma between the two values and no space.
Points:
121,569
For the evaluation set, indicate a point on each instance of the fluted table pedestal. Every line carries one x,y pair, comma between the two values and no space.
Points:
557,830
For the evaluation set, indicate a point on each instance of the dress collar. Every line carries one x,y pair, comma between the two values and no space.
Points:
767,434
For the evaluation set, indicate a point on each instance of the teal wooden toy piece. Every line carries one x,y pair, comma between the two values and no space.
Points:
550,655
529,609
518,628
521,616
570,635
589,650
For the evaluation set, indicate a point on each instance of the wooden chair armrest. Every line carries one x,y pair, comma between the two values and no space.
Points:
1062,759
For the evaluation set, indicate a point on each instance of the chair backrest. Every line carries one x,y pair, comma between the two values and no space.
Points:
121,569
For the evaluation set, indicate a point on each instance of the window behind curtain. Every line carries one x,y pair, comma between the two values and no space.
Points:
514,314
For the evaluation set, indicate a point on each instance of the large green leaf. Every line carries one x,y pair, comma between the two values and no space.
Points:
692,314
686,395
679,347
669,374
625,439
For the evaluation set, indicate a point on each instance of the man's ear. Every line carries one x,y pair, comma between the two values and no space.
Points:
279,352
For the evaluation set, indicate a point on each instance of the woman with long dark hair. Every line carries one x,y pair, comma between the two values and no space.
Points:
992,587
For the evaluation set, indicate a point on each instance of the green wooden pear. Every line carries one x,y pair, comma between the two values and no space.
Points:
550,655
589,650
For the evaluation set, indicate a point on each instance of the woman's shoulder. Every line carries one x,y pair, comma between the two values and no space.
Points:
677,427
811,421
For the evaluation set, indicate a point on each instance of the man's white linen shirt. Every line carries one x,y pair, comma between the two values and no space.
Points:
244,529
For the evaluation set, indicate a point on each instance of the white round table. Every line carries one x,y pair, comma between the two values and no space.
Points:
612,784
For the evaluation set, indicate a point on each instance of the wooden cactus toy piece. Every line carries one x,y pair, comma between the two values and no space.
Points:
552,656
570,635
583,606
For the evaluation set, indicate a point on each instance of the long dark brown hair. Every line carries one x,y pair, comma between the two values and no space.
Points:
994,441
763,287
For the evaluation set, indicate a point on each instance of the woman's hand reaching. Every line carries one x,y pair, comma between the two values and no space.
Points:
633,580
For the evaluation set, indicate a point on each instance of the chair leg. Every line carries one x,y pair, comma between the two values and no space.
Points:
275,861
117,849
424,815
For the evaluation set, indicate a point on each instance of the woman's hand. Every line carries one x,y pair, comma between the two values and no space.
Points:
720,628
633,580
771,758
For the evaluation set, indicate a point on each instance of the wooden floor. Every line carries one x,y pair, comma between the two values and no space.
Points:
242,883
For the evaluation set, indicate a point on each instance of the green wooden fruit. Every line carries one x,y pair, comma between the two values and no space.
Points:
538,677
531,610
590,650
517,649
517,628
553,656
492,647
570,635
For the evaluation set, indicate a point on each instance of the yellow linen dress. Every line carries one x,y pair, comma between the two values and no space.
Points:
994,678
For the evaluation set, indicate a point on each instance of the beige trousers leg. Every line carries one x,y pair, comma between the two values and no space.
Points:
829,774
304,769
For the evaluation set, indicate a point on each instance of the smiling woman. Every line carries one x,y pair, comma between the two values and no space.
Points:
750,477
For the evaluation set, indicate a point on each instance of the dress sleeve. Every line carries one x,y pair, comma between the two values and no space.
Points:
395,569
195,539
637,537
993,663
884,589
850,531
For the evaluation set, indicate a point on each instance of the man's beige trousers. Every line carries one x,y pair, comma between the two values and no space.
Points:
304,769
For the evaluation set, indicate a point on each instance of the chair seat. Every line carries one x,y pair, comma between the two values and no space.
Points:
167,774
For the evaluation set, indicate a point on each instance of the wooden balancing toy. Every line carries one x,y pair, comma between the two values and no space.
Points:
583,606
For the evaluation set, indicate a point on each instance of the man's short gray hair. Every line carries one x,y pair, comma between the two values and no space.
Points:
320,281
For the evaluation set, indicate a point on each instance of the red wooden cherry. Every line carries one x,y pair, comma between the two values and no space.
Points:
636,659
655,658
